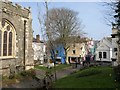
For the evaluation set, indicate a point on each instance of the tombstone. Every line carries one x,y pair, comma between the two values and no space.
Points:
12,71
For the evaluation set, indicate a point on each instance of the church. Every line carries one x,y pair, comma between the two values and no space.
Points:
16,53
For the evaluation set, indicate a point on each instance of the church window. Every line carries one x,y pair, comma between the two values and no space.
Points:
7,40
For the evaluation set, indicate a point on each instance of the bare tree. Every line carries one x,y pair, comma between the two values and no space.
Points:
59,26
113,18
109,12
49,41
63,24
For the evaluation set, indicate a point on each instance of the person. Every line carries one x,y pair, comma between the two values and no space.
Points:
88,59
84,60
79,60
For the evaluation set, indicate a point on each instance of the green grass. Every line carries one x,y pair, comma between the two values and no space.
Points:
94,77
57,68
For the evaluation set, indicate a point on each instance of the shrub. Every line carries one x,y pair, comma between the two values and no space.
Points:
11,76
24,73
30,72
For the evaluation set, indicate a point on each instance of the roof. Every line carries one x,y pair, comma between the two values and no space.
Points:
35,40
109,39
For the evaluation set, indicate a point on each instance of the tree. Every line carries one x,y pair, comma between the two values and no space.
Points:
63,25
109,12
113,19
117,24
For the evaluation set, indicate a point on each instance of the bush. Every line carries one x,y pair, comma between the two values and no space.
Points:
24,73
117,73
11,76
89,72
30,72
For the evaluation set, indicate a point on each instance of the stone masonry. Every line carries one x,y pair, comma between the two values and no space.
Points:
21,20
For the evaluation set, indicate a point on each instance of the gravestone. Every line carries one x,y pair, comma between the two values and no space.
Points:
12,71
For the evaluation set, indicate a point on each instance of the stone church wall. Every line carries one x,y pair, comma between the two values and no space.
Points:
21,19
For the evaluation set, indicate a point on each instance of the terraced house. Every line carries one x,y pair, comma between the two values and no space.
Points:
16,53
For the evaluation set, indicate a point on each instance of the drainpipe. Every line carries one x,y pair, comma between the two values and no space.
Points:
24,42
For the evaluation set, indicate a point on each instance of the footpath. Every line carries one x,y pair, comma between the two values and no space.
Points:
39,81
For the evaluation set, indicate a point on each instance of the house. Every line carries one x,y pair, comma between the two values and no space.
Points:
39,48
91,44
59,54
104,50
16,53
75,52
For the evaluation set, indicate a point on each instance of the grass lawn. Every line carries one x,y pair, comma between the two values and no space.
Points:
93,77
57,68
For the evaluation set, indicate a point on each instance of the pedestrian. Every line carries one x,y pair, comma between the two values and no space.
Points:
84,60
80,59
88,59
76,63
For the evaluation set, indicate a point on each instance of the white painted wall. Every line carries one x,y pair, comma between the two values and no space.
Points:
104,46
39,51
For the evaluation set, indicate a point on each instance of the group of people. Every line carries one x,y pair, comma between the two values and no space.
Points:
87,59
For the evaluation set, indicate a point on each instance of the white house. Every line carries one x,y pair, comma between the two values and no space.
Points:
104,49
39,50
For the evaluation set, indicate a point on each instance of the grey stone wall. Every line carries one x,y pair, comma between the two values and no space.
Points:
24,52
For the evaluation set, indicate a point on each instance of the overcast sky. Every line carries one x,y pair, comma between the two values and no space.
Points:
90,13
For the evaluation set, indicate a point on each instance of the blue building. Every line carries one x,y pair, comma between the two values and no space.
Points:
59,54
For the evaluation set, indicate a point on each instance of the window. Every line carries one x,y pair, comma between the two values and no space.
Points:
113,36
56,51
73,51
115,49
5,44
100,54
7,39
10,44
104,55
81,48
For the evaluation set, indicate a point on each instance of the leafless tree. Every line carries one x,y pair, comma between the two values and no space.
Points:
63,24
113,18
109,12
49,41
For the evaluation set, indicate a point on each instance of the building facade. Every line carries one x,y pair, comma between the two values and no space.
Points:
59,54
104,50
16,53
75,52
39,48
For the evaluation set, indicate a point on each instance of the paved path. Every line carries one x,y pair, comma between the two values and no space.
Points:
33,83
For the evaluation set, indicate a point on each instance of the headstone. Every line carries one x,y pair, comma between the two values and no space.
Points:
12,71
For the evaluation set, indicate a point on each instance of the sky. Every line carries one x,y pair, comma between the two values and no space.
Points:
90,13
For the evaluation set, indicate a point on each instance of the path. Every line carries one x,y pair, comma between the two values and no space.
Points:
33,83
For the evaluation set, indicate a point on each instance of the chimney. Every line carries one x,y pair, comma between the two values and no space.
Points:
38,38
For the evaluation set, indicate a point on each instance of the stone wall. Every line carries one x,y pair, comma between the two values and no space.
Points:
21,19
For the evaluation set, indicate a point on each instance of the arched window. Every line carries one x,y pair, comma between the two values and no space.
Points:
7,39
5,44
10,44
